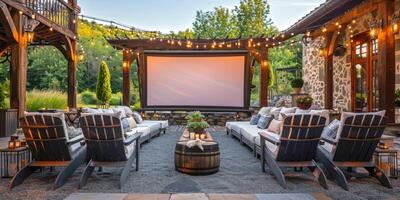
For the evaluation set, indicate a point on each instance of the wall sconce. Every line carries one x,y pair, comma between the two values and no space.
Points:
395,23
375,25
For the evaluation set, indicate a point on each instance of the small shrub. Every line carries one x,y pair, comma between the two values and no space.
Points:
397,98
50,99
297,83
137,105
103,88
88,97
2,97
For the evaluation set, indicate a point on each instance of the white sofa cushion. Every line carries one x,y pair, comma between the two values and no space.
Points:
286,111
154,125
144,130
272,147
250,132
238,126
229,125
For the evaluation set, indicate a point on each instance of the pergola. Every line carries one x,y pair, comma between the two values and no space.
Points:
133,50
32,22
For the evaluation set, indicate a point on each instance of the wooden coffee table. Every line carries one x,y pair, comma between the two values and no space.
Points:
193,160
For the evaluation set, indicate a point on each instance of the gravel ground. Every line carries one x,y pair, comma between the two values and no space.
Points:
240,172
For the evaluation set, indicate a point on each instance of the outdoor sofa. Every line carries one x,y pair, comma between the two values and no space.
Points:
148,128
247,133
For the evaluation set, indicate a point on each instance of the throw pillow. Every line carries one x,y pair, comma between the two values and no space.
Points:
73,132
108,111
301,111
132,122
286,111
254,119
264,111
128,111
125,125
264,121
331,129
122,110
275,126
275,112
91,110
138,118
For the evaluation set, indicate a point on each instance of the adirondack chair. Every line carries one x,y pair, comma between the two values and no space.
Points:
357,139
107,145
47,138
296,147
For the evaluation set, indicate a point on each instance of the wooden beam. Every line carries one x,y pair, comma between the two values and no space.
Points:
18,71
71,47
127,58
3,47
386,59
263,77
8,24
328,62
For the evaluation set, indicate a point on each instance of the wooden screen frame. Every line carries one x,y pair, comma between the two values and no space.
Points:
247,91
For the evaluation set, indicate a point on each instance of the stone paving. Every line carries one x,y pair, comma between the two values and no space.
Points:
196,196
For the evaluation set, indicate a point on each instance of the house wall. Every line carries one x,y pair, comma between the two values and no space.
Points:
313,66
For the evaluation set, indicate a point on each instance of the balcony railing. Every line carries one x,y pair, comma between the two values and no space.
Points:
58,11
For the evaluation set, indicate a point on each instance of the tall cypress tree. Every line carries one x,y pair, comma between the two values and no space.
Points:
103,88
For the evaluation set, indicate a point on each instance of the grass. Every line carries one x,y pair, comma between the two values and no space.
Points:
49,99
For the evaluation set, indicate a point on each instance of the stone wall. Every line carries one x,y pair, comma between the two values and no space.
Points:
213,118
313,71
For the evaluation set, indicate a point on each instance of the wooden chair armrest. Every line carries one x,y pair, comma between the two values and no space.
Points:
76,139
269,138
132,138
327,139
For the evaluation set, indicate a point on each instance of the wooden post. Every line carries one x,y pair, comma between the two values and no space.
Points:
72,82
263,77
386,59
18,71
328,62
127,58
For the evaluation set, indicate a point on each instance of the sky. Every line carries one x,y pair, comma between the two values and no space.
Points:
176,15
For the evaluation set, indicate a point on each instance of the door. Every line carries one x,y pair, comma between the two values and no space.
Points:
365,69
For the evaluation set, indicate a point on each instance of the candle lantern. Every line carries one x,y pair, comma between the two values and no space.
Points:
386,160
11,144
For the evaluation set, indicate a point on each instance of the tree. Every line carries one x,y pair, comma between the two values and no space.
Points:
103,89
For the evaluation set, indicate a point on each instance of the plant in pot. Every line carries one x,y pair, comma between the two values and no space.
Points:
297,84
305,102
8,117
397,98
196,125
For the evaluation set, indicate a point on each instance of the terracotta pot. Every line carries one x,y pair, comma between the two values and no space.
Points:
296,90
304,106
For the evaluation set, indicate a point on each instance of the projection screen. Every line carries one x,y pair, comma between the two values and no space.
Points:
196,80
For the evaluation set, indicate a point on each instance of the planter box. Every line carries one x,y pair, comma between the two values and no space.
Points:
8,122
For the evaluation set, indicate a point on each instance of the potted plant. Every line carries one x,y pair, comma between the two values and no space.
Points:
8,117
305,102
196,125
297,84
103,87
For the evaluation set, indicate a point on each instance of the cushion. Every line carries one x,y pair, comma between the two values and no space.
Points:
254,119
230,124
250,132
125,125
119,109
128,111
73,132
275,126
331,129
91,110
265,111
107,110
323,113
138,118
275,112
153,125
346,115
286,111
264,121
301,111
131,122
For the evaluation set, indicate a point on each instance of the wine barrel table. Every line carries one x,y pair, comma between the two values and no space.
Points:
193,160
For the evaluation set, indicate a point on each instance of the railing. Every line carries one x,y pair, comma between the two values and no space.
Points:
58,11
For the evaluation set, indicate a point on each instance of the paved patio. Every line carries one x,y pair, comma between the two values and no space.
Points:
240,173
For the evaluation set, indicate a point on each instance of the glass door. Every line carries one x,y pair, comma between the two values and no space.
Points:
365,69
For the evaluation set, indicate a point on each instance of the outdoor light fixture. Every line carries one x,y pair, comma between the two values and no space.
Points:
395,23
375,25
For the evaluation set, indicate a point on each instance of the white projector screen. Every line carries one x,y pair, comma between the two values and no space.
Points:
196,80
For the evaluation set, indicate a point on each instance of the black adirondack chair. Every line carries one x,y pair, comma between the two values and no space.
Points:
297,147
107,146
48,142
354,148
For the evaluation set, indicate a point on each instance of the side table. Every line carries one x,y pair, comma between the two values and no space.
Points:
12,160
